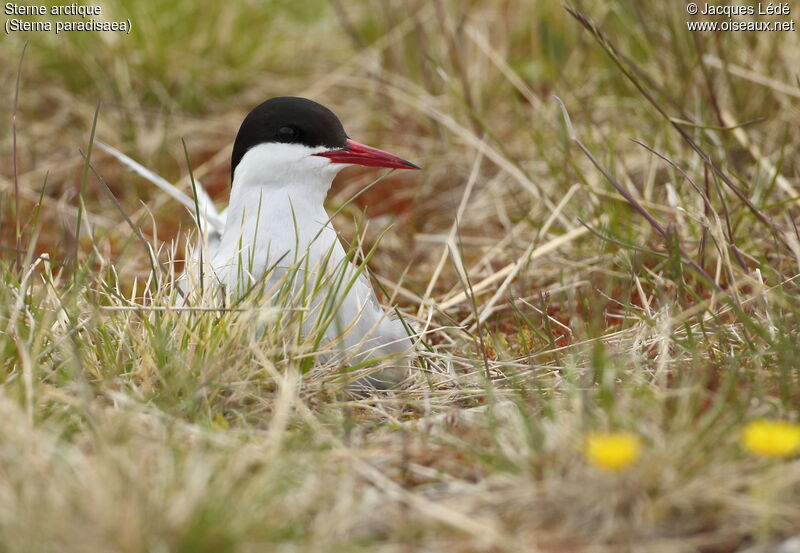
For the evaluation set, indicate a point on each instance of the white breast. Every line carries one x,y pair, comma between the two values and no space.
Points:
278,234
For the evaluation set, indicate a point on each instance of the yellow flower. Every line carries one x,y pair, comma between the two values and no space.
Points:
614,451
771,438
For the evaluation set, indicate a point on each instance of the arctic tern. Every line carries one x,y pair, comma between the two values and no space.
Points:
276,231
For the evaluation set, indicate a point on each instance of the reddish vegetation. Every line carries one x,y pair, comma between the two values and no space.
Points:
390,196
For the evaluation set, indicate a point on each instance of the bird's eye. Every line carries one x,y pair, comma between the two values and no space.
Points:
288,134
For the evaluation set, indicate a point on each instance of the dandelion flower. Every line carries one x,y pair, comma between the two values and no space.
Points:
771,438
613,451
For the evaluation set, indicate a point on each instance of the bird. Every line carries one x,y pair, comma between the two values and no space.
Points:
277,236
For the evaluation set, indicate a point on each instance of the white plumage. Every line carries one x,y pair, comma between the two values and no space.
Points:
276,221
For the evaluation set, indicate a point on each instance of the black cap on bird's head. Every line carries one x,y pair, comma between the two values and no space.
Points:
291,120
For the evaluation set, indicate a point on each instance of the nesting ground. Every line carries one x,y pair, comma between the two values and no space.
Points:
604,238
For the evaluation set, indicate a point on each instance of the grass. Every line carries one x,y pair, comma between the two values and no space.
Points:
603,239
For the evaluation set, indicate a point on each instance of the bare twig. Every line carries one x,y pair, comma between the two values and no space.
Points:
616,57
634,203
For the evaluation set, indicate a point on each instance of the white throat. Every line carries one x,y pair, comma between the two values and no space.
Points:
292,168
276,212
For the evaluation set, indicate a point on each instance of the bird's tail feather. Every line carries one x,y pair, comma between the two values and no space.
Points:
214,220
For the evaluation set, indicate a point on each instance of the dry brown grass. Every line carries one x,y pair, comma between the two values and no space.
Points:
143,430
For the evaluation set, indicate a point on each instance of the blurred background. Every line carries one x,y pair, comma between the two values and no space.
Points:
430,80
548,134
